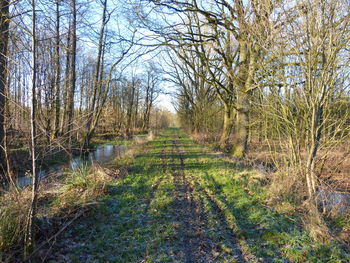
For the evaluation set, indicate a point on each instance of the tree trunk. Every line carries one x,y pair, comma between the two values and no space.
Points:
96,82
227,127
244,82
131,105
57,73
242,126
66,82
136,109
316,133
149,114
4,36
29,238
73,72
148,105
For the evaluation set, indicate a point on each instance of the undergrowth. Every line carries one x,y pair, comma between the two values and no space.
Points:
136,222
13,219
59,200
82,187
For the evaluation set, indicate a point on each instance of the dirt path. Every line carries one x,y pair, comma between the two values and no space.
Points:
187,212
191,215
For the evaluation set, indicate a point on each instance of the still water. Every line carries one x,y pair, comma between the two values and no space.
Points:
101,154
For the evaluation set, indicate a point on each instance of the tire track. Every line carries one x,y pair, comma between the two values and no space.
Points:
229,232
191,213
185,211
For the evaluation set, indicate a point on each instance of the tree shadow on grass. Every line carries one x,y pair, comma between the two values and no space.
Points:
258,225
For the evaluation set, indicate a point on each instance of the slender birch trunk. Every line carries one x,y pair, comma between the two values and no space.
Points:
29,237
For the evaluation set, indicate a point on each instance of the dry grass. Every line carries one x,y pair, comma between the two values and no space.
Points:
14,207
55,201
206,138
82,187
287,187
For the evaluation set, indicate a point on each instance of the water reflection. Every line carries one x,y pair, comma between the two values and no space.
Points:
102,154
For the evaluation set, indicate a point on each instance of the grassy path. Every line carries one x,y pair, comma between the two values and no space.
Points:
180,204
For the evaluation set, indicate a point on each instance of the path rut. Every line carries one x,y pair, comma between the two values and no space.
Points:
192,217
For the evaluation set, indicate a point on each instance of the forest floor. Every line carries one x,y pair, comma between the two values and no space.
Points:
179,202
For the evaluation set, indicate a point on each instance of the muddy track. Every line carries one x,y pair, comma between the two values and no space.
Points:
229,234
186,212
191,214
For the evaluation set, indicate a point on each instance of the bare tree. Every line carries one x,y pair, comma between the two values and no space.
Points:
57,73
152,92
4,37
240,33
29,238
71,92
97,81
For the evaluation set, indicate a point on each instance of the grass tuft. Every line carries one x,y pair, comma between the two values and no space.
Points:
82,187
13,218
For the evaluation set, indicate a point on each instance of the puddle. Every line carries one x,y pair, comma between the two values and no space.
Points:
333,200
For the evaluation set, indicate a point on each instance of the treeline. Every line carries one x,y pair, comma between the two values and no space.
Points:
264,75
68,68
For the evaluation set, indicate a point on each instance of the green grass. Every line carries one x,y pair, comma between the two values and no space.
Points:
136,221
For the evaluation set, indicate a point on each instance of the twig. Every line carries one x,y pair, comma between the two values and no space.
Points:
55,235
